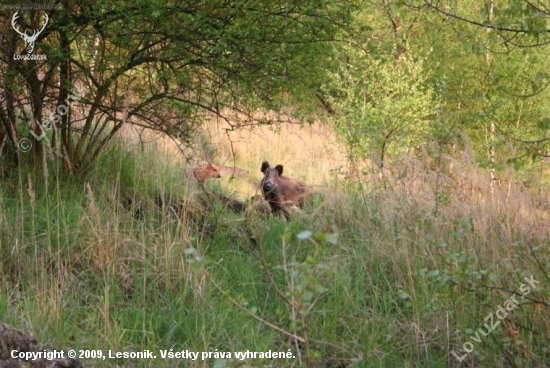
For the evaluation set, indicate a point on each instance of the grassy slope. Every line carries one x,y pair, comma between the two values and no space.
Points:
406,284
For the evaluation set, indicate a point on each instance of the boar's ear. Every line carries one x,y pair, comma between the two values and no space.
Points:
279,169
265,166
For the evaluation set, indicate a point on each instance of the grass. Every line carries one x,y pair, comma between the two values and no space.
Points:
413,272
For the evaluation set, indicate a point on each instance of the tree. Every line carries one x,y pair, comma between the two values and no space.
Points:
402,63
520,23
380,94
504,44
162,65
384,106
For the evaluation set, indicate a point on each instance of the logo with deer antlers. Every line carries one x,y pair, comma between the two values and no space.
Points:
29,40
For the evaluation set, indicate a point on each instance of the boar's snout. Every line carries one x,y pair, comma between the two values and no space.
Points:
268,185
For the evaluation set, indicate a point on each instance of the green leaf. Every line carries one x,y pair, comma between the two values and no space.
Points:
190,251
544,124
304,235
332,238
403,295
220,363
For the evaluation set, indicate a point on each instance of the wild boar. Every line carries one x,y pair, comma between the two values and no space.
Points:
204,172
281,192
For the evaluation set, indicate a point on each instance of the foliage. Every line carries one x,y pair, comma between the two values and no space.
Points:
383,106
424,253
160,65
487,76
517,22
399,284
406,75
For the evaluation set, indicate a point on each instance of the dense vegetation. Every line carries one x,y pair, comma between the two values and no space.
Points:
423,126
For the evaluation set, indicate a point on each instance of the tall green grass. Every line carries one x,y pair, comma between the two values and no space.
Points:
397,276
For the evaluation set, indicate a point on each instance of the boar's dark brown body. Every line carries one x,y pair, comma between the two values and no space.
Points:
281,192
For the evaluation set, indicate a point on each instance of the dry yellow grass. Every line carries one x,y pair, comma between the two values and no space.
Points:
450,198
310,153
